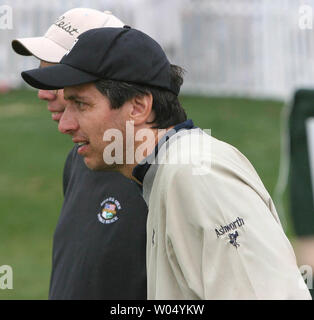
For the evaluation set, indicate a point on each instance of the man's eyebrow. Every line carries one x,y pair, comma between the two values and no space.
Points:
72,97
75,97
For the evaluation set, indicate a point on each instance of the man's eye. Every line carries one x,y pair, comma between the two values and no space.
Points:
80,104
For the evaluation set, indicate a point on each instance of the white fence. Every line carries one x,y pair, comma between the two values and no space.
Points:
228,47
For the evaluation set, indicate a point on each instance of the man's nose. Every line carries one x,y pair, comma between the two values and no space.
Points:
46,95
68,123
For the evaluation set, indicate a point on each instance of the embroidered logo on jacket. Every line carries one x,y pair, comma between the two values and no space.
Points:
229,227
233,239
109,210
228,230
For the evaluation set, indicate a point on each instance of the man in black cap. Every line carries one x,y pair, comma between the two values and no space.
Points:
212,231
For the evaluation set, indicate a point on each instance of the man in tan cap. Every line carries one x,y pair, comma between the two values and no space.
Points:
99,242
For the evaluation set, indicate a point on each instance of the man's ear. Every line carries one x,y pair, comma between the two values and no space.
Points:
141,110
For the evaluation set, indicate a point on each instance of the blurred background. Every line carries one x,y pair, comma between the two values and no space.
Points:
245,61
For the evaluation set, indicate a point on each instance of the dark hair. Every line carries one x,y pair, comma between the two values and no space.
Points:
166,105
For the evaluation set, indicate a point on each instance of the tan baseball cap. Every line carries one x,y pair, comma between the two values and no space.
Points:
60,37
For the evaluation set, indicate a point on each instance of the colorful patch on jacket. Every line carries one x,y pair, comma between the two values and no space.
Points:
109,210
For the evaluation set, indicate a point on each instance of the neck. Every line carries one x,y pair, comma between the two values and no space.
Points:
127,172
142,149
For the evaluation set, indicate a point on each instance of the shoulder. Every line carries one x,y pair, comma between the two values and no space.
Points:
215,176
69,160
71,155
194,154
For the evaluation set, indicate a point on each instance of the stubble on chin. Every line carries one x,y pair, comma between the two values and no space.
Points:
101,166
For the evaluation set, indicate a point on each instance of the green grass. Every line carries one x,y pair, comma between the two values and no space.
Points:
31,163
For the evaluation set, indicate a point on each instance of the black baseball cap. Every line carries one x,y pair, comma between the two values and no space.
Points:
122,54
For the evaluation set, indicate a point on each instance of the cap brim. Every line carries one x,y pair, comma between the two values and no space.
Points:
56,77
40,47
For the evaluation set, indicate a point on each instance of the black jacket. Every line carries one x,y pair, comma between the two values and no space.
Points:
99,246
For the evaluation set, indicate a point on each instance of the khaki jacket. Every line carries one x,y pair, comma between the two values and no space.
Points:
213,231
